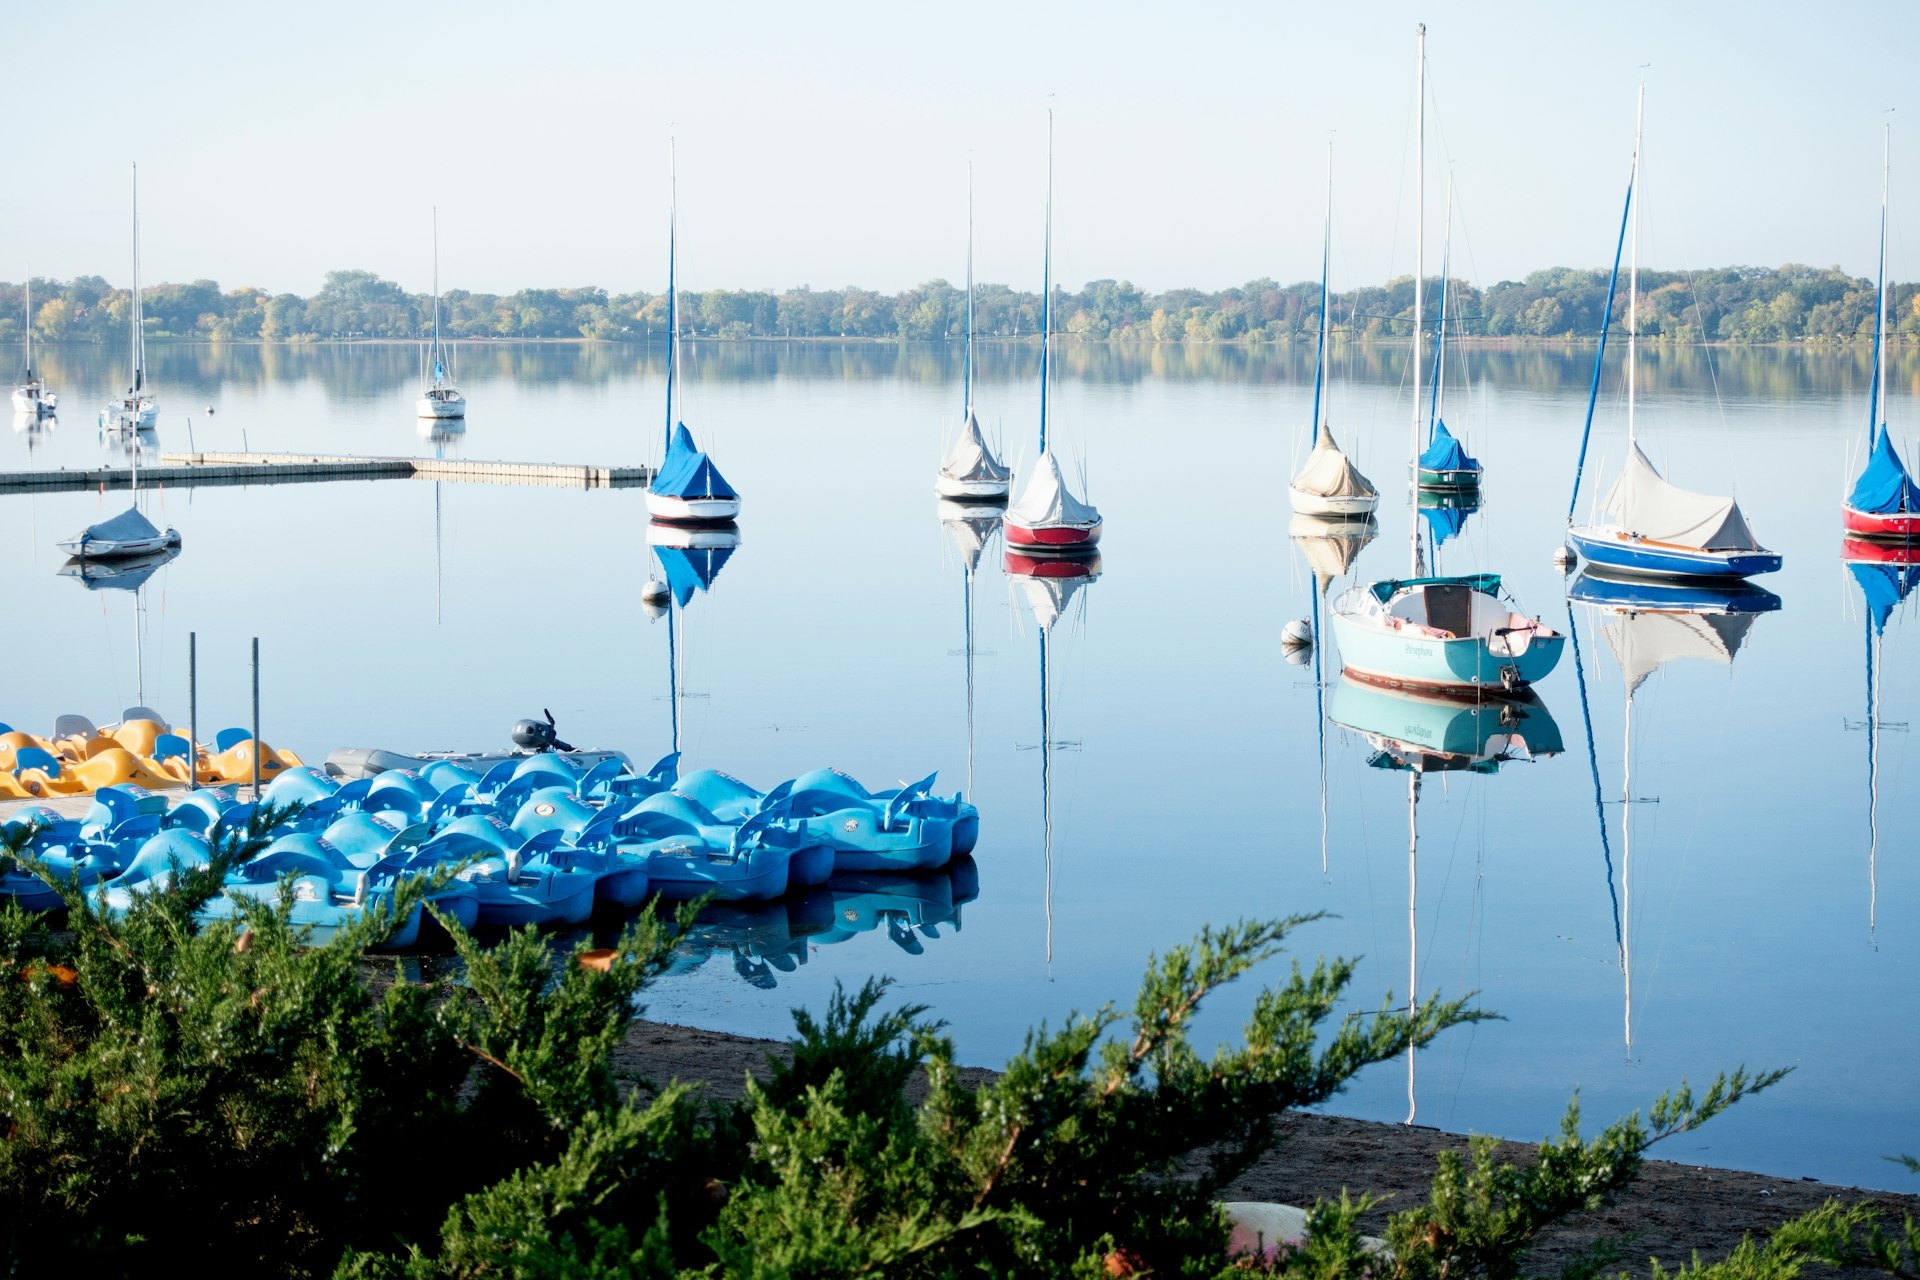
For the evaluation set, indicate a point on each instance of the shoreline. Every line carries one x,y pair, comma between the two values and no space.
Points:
1669,1212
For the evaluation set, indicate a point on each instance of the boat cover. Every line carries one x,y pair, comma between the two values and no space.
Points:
1884,586
691,569
1444,453
1047,501
970,459
1884,487
688,473
1643,503
128,526
1642,642
1329,474
1389,588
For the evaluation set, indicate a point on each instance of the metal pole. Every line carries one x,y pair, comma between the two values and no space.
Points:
193,710
256,719
190,448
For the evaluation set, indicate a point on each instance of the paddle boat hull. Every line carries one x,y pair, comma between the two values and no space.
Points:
1902,526
1624,553
678,873
1314,504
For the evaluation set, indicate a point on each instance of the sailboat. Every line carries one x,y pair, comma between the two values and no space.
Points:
1647,625
1049,587
126,536
31,397
1884,501
441,401
1329,485
137,410
1457,635
1647,525
1048,519
971,473
688,488
1445,464
1886,576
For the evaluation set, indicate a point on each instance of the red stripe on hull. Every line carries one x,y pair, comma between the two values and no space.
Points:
1867,524
1052,537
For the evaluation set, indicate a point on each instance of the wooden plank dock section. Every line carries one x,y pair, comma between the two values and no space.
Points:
188,469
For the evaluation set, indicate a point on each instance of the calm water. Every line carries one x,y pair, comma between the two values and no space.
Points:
1760,922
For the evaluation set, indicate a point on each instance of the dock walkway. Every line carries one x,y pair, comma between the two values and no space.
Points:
187,469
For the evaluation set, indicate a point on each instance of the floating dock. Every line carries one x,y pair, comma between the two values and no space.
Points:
188,469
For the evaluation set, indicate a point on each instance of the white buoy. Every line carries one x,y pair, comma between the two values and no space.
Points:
1297,634
655,592
1296,655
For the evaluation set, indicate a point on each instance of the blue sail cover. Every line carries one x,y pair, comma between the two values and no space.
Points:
1445,454
1884,586
688,473
691,569
1884,487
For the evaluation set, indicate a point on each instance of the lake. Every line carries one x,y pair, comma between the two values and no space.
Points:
1754,901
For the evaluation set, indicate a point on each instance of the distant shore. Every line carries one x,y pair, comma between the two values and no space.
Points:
1514,342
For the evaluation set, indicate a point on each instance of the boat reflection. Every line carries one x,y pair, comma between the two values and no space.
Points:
1886,574
1647,624
691,558
972,527
1049,585
1330,545
761,941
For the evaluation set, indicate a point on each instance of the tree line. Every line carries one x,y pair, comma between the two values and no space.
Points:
1744,305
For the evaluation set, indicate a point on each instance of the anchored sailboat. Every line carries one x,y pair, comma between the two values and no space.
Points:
441,401
137,410
127,536
31,397
1329,485
688,488
971,473
1647,525
1884,501
1049,519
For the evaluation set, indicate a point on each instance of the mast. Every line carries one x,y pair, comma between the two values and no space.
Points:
1320,720
1440,342
1873,783
1046,794
1606,323
1413,923
1633,272
1320,355
1419,316
30,327
435,357
967,597
136,340
1593,764
1419,226
1626,870
673,671
673,296
1878,395
1046,292
966,377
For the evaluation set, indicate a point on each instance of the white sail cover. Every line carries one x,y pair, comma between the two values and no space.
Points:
1644,504
1642,642
970,459
1329,474
1046,500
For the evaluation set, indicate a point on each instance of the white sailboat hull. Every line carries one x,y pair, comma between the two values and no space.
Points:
447,403
661,506
86,548
131,415
947,486
33,400
1314,504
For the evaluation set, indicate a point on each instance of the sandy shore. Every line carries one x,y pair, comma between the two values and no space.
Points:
1671,1211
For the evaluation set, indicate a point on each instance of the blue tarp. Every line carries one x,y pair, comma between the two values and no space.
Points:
1884,586
1884,487
688,473
691,569
1445,454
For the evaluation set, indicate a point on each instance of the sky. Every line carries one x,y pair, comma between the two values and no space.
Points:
828,143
